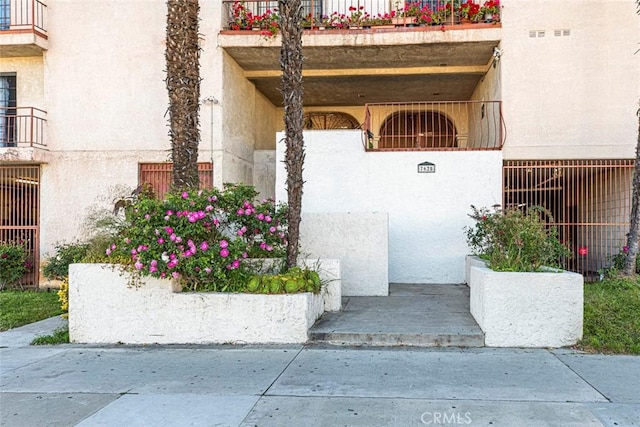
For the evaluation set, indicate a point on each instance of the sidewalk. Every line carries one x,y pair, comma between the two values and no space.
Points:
310,385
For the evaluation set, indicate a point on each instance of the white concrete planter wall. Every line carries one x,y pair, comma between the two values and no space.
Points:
526,309
104,309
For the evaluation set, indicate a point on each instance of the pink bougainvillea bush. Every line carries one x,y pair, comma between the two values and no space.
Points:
202,239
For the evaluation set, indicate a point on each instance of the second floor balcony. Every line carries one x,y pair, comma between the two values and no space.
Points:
22,127
433,126
23,28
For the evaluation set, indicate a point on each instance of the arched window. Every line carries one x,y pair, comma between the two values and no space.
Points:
327,121
417,129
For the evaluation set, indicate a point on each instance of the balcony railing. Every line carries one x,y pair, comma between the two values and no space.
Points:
22,127
469,125
358,14
23,16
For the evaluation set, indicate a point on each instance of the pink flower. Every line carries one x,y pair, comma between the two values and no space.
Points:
113,246
244,254
147,216
224,253
108,252
138,265
175,274
207,270
160,241
223,244
169,212
260,216
153,269
133,252
267,218
240,232
173,237
185,195
263,245
240,211
625,249
204,246
235,263
208,208
169,230
272,229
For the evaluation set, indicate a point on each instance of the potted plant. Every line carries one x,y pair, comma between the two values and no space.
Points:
518,294
241,17
491,10
470,12
213,245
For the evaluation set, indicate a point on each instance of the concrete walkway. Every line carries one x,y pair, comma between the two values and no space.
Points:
309,386
412,315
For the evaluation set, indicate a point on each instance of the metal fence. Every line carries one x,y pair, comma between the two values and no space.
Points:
468,125
20,214
589,201
245,14
22,126
23,15
160,176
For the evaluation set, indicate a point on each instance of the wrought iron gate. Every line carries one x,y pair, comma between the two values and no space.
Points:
20,214
590,201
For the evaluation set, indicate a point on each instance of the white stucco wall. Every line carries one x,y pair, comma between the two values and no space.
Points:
571,96
103,308
427,212
526,309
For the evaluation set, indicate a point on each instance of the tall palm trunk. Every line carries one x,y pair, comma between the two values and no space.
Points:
182,56
632,238
292,91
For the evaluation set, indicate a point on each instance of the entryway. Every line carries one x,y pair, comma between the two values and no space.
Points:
416,315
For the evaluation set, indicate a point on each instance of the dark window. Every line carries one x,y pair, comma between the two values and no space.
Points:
326,121
8,110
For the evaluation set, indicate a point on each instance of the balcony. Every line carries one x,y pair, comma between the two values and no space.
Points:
407,61
23,28
433,126
22,134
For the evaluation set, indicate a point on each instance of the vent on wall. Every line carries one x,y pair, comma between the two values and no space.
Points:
565,32
536,34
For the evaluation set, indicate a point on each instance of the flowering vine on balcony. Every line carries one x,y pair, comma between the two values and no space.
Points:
408,14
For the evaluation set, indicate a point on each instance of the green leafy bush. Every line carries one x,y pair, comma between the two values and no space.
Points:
202,238
57,266
13,263
515,240
294,280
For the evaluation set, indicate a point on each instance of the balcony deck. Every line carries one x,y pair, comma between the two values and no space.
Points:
23,29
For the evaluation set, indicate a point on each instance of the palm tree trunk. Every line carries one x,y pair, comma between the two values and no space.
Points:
291,59
632,238
182,56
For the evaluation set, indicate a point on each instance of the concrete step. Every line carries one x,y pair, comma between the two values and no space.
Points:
412,315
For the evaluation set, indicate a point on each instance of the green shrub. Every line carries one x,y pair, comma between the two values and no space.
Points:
13,263
514,240
201,238
57,266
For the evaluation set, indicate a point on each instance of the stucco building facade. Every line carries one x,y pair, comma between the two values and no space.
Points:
536,107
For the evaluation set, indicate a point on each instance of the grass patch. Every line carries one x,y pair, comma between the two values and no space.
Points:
59,336
612,316
19,308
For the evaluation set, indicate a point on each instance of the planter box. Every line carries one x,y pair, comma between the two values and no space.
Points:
526,309
103,309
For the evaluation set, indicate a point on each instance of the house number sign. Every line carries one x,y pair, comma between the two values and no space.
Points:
426,167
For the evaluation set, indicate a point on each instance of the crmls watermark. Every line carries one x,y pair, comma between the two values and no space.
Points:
444,418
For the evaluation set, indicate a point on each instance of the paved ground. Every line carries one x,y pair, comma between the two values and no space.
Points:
310,386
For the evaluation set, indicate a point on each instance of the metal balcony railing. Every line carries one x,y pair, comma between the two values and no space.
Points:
23,16
22,127
356,14
468,125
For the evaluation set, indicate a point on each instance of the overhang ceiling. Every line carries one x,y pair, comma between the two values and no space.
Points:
342,75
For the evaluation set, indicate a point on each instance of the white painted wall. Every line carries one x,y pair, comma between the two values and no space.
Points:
576,96
426,211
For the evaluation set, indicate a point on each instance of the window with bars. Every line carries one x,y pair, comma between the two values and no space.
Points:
5,14
160,176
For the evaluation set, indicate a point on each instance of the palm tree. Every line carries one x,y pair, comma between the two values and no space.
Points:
182,56
291,59
632,238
